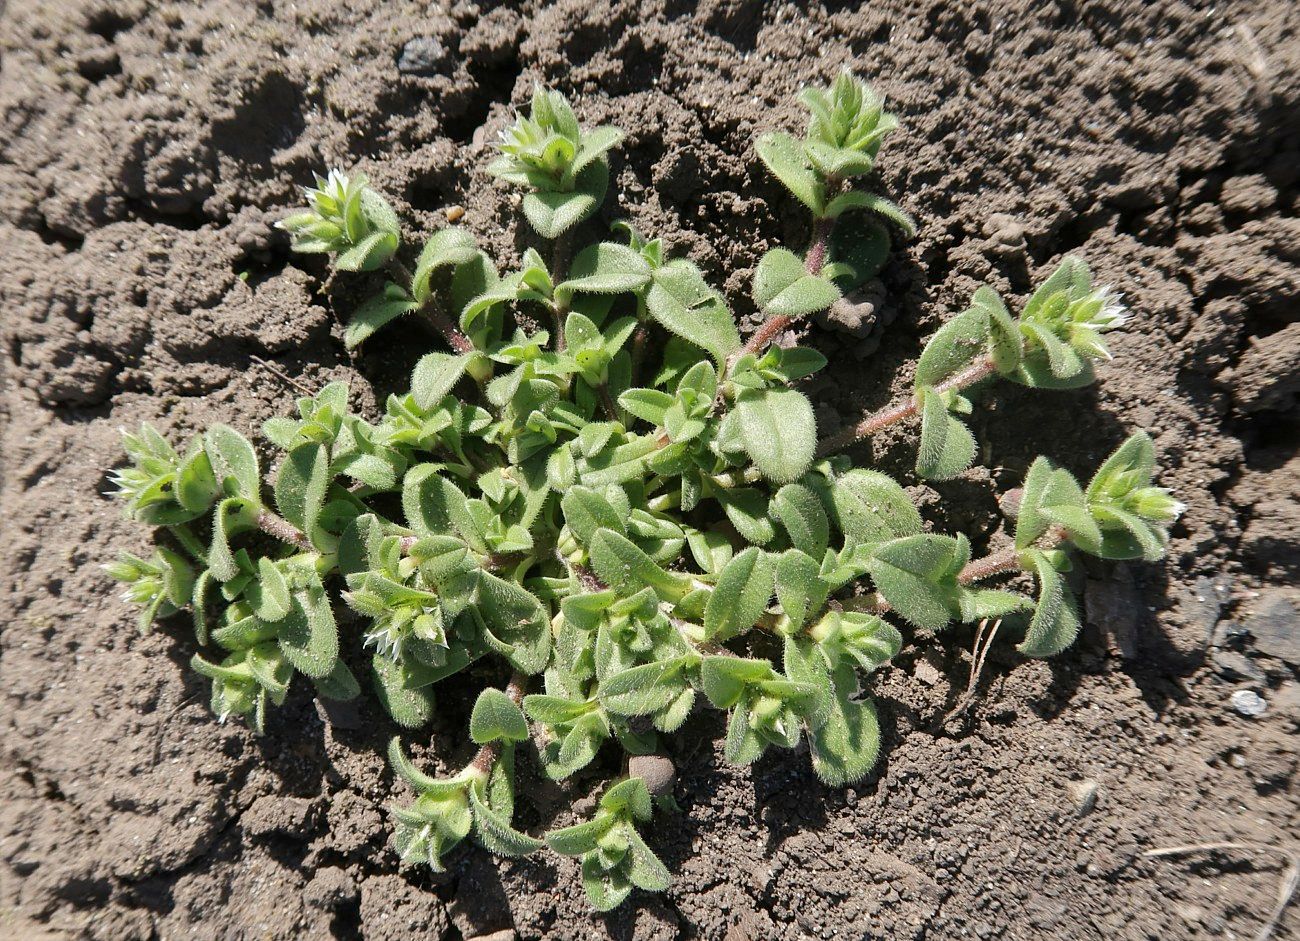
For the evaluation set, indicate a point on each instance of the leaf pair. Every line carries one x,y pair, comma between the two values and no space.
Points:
446,810
614,857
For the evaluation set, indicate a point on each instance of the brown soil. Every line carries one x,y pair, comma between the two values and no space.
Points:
146,148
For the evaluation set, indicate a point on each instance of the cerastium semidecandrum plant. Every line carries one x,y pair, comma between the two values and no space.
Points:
621,517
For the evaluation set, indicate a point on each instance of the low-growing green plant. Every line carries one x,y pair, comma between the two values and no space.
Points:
625,508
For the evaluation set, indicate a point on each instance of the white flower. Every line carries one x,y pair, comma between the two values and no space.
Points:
1113,314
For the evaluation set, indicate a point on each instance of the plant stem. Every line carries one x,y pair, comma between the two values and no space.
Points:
818,248
981,368
487,756
995,563
607,401
437,318
185,536
283,530
639,338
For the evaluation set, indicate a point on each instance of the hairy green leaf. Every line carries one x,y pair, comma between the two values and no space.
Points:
779,432
783,287
495,718
684,304
409,708
308,635
800,511
947,447
784,157
301,484
845,747
741,595
234,462
1055,623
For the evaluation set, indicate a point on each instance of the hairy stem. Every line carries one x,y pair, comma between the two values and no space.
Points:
995,563
487,756
818,248
436,318
190,542
607,401
559,261
981,368
639,339
279,527
977,570
283,530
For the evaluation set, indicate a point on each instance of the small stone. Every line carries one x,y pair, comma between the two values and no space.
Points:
1248,703
330,888
926,672
1237,760
1232,665
421,56
1006,234
856,314
1275,627
1009,502
656,770
1084,795
1204,603
454,213
1229,635
505,934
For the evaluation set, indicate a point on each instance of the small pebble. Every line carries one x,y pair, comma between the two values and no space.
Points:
455,213
1084,795
1248,703
657,772
421,56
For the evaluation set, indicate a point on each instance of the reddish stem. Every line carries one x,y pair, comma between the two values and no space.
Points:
436,318
282,529
487,756
814,261
982,368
